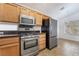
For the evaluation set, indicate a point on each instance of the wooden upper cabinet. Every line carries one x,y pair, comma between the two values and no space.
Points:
1,12
25,11
32,13
45,17
29,12
38,19
10,13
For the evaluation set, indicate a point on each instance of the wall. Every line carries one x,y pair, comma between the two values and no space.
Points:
61,27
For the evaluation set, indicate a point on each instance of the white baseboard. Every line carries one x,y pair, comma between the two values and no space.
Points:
68,39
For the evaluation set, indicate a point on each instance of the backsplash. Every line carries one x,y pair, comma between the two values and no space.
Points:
37,28
5,27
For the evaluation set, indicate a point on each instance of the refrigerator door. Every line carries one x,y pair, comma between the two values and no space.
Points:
52,42
53,27
52,33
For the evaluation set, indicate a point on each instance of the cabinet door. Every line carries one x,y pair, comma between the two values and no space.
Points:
32,13
42,42
45,17
1,11
9,50
42,46
10,13
38,19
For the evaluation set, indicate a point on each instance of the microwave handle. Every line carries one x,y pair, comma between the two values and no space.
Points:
34,21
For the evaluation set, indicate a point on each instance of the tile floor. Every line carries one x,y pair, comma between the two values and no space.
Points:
64,48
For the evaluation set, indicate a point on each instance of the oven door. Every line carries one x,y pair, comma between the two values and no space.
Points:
29,46
29,43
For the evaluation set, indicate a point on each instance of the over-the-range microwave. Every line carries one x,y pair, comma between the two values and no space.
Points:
27,20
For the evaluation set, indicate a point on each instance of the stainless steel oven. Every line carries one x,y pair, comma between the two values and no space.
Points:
29,45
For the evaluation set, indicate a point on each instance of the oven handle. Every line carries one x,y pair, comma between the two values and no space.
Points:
30,39
28,36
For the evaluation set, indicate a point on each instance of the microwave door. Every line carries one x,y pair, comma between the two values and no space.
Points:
27,20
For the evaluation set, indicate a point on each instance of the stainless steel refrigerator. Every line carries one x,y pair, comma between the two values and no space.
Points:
50,28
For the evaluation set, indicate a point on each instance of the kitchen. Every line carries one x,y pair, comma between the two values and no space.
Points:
25,32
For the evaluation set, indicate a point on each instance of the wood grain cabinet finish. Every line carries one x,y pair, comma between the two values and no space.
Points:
45,17
9,13
28,12
25,11
42,41
1,11
32,13
9,46
38,19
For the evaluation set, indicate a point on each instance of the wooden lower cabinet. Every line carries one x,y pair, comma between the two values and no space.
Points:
42,42
11,48
42,45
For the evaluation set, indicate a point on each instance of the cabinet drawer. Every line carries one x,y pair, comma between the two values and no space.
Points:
8,40
9,45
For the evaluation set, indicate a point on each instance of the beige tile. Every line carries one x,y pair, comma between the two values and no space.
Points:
64,48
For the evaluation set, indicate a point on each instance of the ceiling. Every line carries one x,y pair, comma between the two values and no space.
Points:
54,10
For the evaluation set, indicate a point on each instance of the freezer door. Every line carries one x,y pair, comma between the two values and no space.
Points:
53,27
52,42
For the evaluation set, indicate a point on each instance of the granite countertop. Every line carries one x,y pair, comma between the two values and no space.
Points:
8,33
12,35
